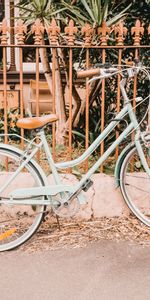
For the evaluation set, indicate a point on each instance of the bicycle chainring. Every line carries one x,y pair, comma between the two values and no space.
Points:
63,207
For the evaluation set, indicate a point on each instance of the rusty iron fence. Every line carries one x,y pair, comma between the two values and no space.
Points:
82,50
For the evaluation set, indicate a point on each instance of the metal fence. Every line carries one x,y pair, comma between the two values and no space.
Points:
65,50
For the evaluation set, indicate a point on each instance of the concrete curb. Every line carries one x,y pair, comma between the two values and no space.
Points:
103,199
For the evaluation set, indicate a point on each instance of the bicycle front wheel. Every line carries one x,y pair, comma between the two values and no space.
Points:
135,184
18,222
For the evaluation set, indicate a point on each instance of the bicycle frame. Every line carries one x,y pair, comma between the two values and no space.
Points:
50,190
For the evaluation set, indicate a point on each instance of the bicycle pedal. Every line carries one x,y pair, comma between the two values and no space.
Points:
87,185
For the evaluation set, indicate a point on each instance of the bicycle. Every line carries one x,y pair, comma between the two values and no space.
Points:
22,209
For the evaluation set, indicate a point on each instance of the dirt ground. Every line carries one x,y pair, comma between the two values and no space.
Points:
57,234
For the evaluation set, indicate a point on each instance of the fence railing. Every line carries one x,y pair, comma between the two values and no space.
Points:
79,106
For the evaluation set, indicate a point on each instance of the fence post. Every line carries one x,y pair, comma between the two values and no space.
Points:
104,35
4,38
70,31
20,31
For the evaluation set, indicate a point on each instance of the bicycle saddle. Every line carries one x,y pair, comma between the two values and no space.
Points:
36,122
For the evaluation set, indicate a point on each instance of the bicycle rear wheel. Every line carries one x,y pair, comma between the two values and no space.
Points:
135,184
17,222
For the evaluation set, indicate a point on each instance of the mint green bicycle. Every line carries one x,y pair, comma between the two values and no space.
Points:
24,189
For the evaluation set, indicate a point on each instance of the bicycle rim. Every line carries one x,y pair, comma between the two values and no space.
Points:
135,184
17,222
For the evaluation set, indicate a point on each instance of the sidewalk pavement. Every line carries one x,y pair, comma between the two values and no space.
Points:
104,270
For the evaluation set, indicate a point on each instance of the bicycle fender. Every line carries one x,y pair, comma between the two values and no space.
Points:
120,161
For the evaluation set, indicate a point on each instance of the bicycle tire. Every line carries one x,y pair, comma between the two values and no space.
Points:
135,184
17,222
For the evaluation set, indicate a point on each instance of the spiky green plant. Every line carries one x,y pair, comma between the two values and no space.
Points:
95,11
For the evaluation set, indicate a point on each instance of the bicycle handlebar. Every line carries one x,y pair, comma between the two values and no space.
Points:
88,73
106,70
95,71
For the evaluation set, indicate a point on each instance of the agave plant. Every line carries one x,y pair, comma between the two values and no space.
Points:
96,11
44,10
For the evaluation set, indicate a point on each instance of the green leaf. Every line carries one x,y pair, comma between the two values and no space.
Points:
105,10
88,9
100,13
79,134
